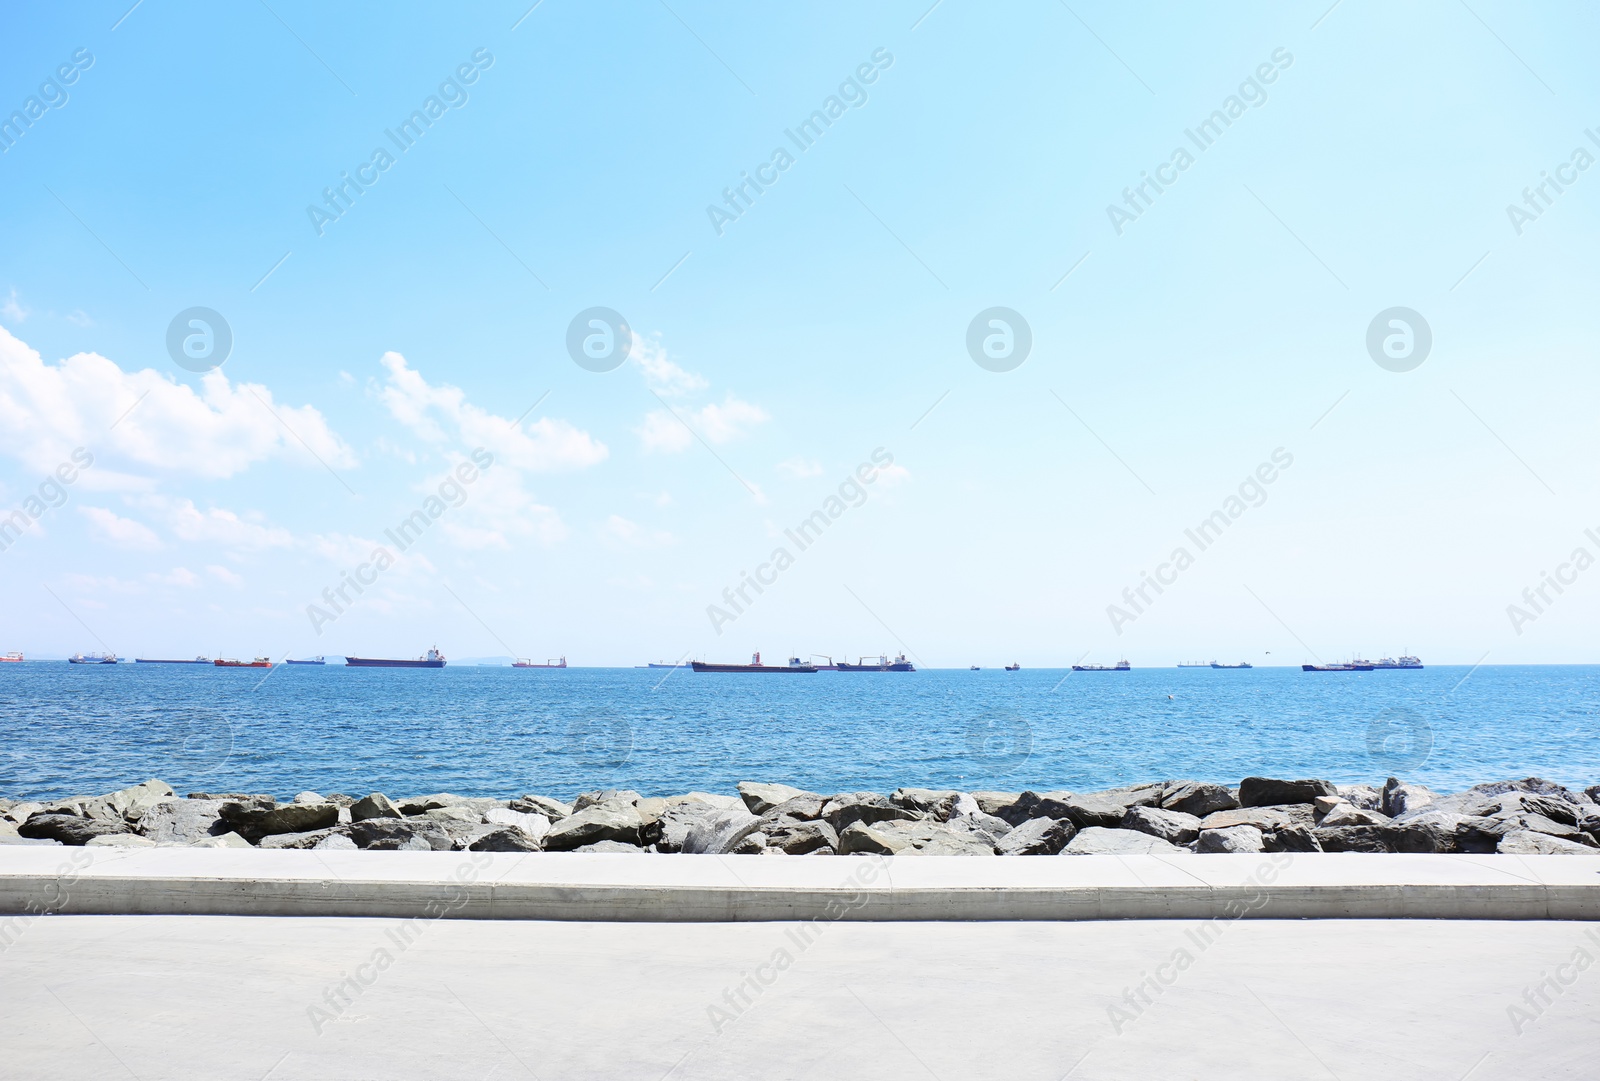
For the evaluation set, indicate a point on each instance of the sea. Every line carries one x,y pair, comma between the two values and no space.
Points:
490,731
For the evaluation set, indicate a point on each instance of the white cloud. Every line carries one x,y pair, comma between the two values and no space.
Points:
660,373
546,445
122,532
12,309
800,468
620,532
664,433
146,418
223,574
178,576
893,474
218,526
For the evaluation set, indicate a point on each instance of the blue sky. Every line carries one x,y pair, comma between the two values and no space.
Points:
575,170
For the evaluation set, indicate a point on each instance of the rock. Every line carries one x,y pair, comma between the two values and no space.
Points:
1197,798
1296,838
308,797
183,821
1555,809
1269,792
1037,837
69,829
805,808
552,809
535,826
129,803
307,840
1459,833
1538,823
1346,814
1593,792
420,804
226,840
868,808
1530,843
1104,841
1231,839
611,846
452,816
680,818
1323,804
803,838
373,805
1263,818
1363,796
606,795
710,799
8,828
1015,807
1356,838
1174,827
754,844
254,823
394,834
982,827
907,838
18,839
936,803
607,821
335,840
1399,799
719,832
760,798
20,812
506,839
119,840
1089,809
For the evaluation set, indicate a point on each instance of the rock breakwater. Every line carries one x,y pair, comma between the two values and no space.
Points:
1260,814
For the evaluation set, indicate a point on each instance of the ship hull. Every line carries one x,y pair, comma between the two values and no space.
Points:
551,666
701,666
1336,668
305,662
370,662
898,667
148,660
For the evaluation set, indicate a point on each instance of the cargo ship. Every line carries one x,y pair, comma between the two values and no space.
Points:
1241,664
152,660
547,664
1013,668
92,658
1120,666
312,660
795,665
11,658
1404,662
1196,664
1363,666
432,659
883,664
259,662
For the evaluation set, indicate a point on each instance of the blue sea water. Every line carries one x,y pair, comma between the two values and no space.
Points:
69,729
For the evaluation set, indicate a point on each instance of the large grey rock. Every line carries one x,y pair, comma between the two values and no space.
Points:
373,805
307,840
1015,807
611,846
753,845
720,831
20,812
416,805
981,827
1363,796
1197,798
680,817
1231,839
505,839
69,829
39,842
1550,807
1346,814
1105,841
226,840
1264,818
1529,843
760,798
119,840
900,837
802,838
1459,833
553,809
1400,799
534,825
335,840
1037,837
453,816
1104,809
400,834
802,808
1296,838
612,821
1593,792
1538,823
868,808
1356,839
1271,792
310,797
605,795
936,803
1174,827
253,823
183,821
131,803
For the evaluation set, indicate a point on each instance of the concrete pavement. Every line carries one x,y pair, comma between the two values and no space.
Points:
223,997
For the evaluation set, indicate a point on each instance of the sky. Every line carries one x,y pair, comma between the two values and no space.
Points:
800,223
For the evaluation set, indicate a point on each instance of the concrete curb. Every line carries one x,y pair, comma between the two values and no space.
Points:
469,885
